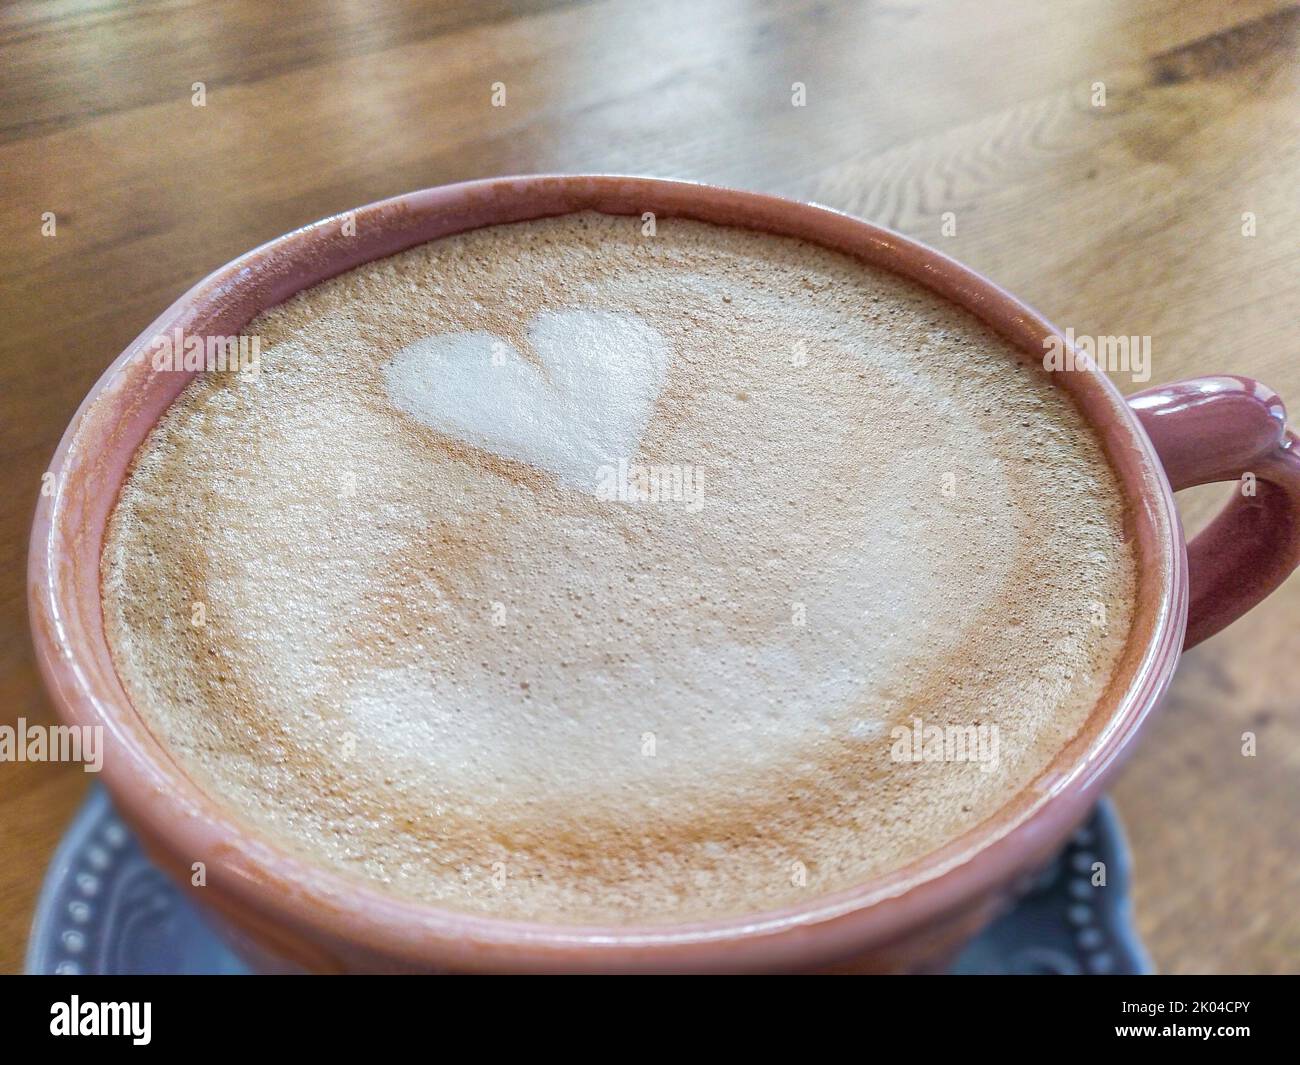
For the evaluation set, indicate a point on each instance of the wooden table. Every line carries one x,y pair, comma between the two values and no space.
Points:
1119,219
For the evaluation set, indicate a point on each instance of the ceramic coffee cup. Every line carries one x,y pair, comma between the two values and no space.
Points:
283,911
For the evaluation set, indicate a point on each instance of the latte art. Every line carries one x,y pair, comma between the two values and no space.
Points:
555,572
581,403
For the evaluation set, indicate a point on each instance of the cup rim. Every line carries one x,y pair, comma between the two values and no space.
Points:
156,794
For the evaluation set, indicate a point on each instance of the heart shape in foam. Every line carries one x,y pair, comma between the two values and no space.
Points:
585,407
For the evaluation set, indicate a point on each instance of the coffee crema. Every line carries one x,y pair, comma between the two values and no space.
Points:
406,601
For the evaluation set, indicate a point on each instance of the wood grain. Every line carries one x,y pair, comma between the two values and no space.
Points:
1123,219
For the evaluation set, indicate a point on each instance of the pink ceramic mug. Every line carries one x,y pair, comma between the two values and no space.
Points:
284,911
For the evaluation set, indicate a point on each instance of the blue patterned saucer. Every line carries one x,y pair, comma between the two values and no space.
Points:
104,909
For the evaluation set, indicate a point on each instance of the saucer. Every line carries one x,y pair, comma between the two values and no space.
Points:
105,909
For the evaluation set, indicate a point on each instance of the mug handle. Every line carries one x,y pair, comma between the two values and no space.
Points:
1224,429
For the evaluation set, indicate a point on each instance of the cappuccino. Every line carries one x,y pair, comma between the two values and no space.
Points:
557,572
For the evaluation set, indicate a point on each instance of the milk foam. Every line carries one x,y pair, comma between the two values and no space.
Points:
582,406
433,658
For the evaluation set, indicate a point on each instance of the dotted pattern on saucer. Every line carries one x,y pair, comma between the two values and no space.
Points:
92,887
